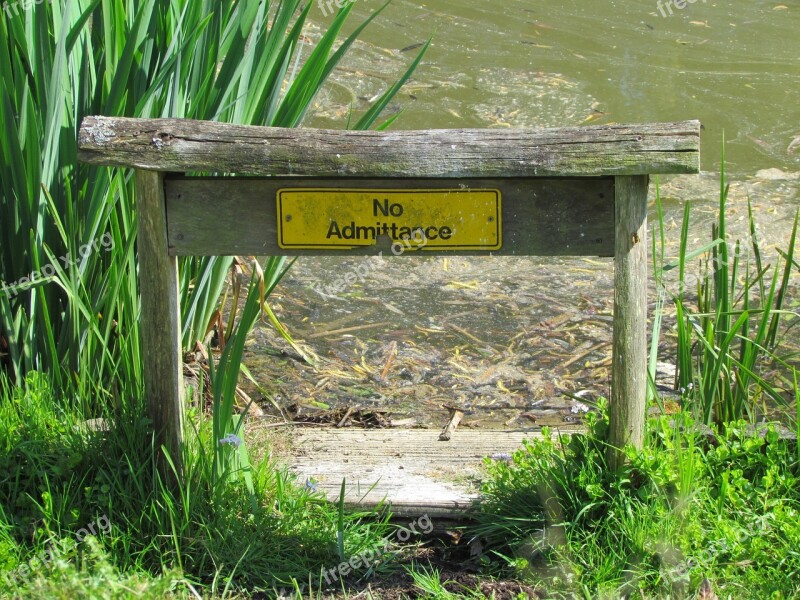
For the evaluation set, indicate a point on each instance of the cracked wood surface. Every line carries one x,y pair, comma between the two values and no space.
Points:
181,145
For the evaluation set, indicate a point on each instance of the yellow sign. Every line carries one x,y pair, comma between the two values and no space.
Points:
436,219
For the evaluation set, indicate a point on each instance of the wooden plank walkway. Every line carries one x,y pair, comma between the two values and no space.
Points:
410,469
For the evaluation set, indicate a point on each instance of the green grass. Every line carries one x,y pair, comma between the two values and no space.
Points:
430,584
684,509
55,478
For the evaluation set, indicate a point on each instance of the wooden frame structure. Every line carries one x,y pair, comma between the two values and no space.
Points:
567,191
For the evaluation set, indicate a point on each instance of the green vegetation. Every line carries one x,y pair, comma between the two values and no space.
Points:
725,341
237,62
75,454
688,508
56,476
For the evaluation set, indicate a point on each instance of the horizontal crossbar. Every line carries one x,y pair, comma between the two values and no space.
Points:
181,145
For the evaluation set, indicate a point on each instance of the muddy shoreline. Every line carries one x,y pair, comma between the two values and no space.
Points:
513,341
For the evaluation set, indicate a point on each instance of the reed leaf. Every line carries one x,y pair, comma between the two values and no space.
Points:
226,60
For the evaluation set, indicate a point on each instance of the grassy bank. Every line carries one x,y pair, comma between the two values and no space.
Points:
711,503
57,476
708,504
690,507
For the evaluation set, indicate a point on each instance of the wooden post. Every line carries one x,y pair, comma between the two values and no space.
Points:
162,364
629,369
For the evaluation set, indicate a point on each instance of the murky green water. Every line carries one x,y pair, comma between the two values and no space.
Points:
506,338
733,65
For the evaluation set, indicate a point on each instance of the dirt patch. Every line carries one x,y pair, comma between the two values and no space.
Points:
449,557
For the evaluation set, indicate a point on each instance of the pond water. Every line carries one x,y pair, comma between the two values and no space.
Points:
506,338
733,65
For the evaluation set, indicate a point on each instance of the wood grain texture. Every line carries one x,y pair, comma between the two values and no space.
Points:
540,216
181,145
408,468
629,366
162,363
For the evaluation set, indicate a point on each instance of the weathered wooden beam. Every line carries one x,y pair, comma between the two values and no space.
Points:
162,363
180,145
542,217
629,366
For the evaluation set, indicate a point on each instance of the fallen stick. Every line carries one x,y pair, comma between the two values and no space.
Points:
345,417
455,418
467,334
348,329
583,355
391,354
290,423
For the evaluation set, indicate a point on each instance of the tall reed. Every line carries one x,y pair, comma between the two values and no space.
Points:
732,330
239,61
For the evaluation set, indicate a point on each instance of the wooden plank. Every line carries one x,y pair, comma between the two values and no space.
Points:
181,145
162,363
629,367
540,216
408,468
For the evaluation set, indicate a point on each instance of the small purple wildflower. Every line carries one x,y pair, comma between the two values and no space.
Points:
501,456
578,408
231,439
